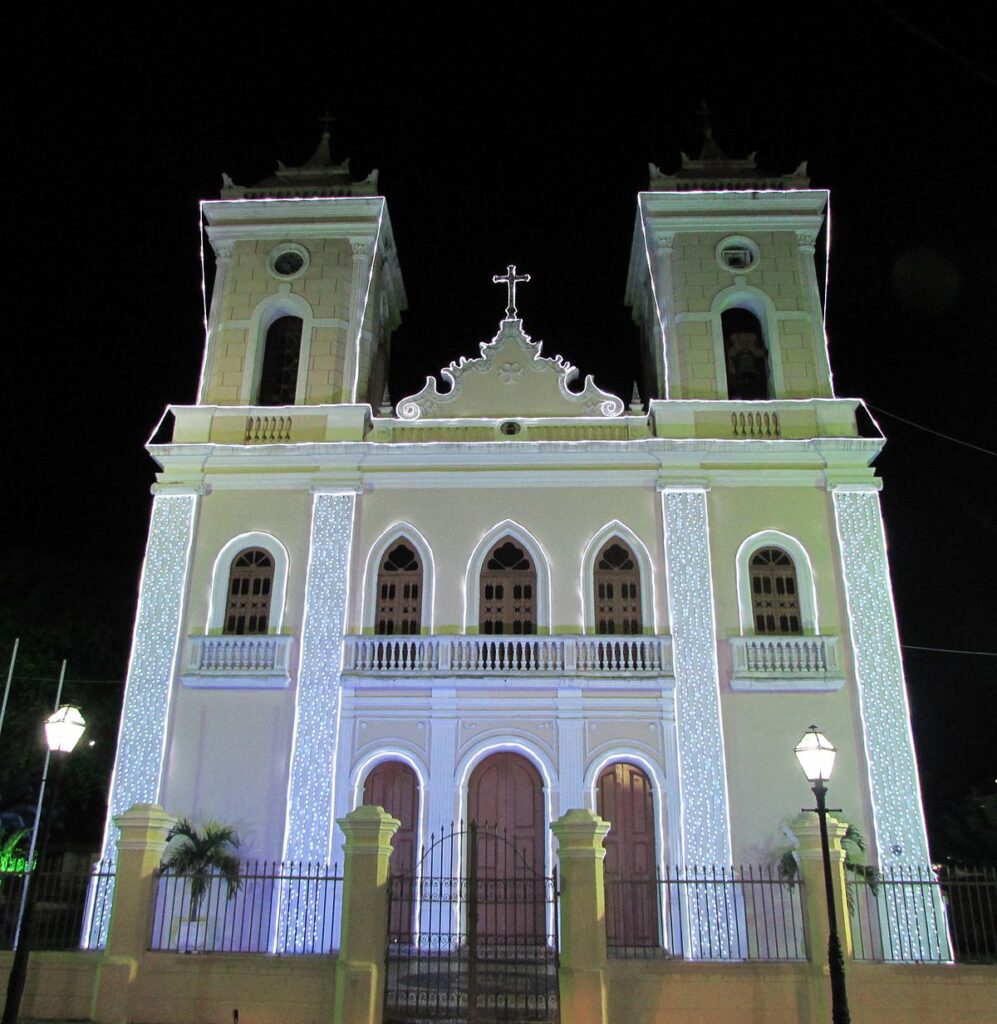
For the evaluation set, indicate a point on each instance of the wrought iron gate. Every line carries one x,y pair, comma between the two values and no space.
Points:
472,934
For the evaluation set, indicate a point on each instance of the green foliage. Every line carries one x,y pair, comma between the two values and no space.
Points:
853,843
12,859
202,854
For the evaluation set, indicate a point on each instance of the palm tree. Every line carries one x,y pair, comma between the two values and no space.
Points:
201,855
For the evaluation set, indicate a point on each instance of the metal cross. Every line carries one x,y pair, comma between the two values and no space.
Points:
325,120
510,279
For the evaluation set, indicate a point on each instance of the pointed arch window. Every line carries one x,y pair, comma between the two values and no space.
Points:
616,585
250,587
281,354
745,355
508,588
399,592
775,597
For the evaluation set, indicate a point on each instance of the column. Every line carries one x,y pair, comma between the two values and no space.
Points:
571,750
580,856
156,643
223,260
901,839
316,722
363,251
360,965
702,778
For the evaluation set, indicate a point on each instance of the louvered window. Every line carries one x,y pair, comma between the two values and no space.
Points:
399,592
617,590
250,583
508,591
775,598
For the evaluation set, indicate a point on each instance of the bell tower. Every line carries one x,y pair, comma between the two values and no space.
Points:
307,288
722,282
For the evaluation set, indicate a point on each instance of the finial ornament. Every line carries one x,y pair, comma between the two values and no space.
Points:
325,120
510,279
636,405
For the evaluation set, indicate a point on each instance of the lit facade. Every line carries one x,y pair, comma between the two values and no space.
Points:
698,579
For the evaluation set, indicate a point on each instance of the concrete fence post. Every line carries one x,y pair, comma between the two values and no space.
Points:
806,828
360,968
141,841
580,855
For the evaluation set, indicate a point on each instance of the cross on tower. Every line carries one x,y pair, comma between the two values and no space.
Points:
325,120
510,279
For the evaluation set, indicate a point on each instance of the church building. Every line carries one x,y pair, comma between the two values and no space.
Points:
513,593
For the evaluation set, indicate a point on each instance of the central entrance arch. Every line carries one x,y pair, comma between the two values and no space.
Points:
505,793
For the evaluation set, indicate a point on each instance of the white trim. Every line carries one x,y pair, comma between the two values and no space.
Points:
220,574
754,300
645,566
473,572
376,553
272,308
805,583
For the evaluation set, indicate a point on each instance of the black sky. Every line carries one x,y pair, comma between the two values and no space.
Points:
522,137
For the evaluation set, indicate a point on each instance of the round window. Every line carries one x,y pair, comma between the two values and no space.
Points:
288,260
737,254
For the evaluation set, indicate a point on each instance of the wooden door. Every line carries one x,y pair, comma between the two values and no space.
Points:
394,786
506,800
625,799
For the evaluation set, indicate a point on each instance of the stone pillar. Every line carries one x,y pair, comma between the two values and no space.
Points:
360,967
807,829
141,840
580,856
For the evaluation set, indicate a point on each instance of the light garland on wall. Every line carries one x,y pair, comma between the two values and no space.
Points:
901,838
155,644
308,830
702,760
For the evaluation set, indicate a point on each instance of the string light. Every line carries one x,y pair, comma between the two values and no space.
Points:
155,646
898,814
702,759
308,829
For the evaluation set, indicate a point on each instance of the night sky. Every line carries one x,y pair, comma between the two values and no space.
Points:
521,139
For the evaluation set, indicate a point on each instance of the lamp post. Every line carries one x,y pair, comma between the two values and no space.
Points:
816,756
63,729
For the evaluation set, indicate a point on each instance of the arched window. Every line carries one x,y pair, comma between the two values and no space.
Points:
616,582
279,376
250,585
508,590
745,355
775,598
399,592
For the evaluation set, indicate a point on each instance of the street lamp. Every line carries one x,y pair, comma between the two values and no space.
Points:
63,729
816,756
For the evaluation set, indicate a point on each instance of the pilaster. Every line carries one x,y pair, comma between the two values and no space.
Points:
363,251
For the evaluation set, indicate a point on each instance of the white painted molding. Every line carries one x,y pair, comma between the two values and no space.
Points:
805,583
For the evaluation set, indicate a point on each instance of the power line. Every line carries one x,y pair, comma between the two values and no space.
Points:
928,430
949,650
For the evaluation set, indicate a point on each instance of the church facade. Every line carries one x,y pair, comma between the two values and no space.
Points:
515,594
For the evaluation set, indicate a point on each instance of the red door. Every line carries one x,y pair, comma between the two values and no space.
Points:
506,799
625,799
393,786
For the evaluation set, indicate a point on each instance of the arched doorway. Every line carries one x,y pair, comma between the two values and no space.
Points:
625,799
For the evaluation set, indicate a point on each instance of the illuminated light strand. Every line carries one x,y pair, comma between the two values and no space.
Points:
308,829
202,382
827,285
654,294
898,814
155,646
702,758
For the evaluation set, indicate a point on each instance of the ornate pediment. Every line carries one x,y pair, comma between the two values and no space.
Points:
510,378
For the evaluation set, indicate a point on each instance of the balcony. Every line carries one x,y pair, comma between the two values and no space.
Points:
620,657
781,663
238,662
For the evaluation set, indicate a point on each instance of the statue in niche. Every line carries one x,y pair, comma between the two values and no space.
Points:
745,355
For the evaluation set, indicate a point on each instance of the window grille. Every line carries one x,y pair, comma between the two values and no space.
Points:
279,376
508,588
775,599
616,582
399,593
250,583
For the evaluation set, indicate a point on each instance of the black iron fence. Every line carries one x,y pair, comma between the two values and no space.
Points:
290,908
61,920
918,914
716,913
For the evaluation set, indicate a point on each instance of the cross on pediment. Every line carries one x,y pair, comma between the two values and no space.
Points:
510,279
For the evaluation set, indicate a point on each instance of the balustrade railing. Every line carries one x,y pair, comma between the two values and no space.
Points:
773,658
268,429
755,424
213,659
508,655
